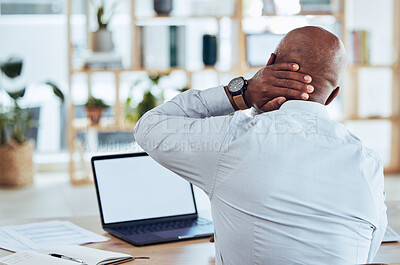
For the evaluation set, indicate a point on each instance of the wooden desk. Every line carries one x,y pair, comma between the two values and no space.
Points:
195,252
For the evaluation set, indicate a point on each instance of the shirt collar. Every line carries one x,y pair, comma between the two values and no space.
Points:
309,106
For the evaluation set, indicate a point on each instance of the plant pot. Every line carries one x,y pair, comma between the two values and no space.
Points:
16,164
102,41
94,114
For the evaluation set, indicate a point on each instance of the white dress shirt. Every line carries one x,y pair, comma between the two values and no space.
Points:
289,186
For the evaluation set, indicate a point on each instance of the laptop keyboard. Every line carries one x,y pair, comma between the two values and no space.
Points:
163,226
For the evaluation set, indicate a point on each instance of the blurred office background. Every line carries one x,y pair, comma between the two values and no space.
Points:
149,52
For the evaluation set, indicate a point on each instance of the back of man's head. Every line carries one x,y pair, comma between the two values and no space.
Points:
319,54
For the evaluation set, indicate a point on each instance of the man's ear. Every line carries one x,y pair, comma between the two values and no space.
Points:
332,96
271,59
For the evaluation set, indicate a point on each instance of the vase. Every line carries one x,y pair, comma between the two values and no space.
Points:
16,163
163,7
209,50
102,41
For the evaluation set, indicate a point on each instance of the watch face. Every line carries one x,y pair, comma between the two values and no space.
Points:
236,84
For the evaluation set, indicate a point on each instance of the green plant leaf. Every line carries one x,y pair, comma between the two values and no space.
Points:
12,67
15,95
56,90
95,103
149,102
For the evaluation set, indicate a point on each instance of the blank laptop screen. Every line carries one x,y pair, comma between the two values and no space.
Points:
136,188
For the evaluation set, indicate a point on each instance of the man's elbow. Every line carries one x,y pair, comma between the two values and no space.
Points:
136,132
144,126
139,130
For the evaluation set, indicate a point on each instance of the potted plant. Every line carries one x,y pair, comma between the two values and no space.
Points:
16,164
149,101
102,38
94,109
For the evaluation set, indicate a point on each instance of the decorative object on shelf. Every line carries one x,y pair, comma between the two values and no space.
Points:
102,38
163,7
94,109
209,50
358,46
162,46
16,164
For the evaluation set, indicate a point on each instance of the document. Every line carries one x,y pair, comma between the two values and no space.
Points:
33,258
66,255
41,235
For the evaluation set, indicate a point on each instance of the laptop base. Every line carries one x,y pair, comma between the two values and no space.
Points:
204,229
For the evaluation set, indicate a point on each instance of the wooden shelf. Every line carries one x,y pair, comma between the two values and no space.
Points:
139,19
158,71
372,118
83,181
338,16
358,66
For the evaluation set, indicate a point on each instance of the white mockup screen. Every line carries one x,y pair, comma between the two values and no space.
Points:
136,188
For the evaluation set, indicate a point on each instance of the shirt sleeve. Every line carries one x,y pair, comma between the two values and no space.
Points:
381,224
187,133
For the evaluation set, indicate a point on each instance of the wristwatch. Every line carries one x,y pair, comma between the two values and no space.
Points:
236,88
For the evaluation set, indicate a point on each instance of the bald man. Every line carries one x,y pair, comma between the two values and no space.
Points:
287,186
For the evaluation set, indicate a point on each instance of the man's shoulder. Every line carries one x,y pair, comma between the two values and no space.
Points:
354,139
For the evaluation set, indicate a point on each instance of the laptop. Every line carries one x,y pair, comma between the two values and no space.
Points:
143,203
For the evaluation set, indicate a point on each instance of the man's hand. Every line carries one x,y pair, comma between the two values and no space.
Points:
269,88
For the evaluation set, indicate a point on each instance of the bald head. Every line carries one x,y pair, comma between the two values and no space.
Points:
319,54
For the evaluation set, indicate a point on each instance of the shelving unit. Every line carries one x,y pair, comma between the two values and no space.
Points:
352,96
240,68
117,125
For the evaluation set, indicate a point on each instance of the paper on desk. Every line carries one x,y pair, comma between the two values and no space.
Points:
36,236
32,258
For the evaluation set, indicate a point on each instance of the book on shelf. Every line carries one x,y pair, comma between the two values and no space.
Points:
102,60
162,47
358,46
319,6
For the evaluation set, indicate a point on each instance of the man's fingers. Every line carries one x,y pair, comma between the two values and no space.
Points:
285,83
285,67
293,76
287,93
273,104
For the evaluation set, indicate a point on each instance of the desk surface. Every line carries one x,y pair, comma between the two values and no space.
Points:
195,252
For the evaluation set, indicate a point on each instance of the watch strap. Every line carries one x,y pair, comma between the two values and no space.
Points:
239,101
